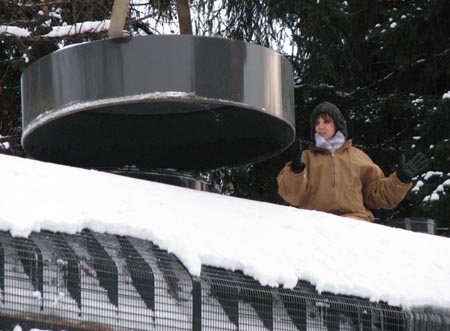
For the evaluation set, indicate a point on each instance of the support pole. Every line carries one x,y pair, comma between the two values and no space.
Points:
118,17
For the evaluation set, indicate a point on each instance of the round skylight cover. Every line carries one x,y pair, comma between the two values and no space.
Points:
182,102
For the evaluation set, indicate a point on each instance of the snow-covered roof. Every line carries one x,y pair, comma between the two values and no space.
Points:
276,245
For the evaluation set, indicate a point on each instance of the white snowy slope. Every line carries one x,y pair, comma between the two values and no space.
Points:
276,245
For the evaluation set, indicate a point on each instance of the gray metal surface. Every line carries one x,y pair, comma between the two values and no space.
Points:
166,176
184,102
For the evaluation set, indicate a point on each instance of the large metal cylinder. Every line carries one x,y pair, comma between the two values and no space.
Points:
183,102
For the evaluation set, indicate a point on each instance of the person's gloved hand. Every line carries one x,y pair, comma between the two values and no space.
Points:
297,164
416,166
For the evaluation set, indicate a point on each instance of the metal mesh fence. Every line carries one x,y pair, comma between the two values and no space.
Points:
93,281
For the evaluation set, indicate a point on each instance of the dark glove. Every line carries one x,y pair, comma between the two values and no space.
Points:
416,166
297,164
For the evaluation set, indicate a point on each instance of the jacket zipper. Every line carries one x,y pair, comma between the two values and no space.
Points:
334,170
334,182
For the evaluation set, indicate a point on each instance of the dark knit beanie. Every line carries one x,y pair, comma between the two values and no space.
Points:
332,110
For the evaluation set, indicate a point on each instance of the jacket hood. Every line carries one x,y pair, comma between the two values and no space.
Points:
331,109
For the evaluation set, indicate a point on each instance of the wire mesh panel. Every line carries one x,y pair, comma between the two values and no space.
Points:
173,288
232,301
94,281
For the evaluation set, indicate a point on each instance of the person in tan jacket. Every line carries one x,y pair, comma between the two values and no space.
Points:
335,177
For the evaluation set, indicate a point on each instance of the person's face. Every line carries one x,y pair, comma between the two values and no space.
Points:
325,126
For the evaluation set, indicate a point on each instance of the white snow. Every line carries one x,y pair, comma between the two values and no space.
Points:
430,174
14,31
277,245
19,328
59,31
69,30
4,145
434,196
418,185
446,95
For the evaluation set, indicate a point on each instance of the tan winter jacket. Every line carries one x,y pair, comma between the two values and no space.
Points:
345,183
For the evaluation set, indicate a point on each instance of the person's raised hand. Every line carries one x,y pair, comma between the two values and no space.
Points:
417,165
297,164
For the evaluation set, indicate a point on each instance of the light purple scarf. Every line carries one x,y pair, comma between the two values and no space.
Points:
332,144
